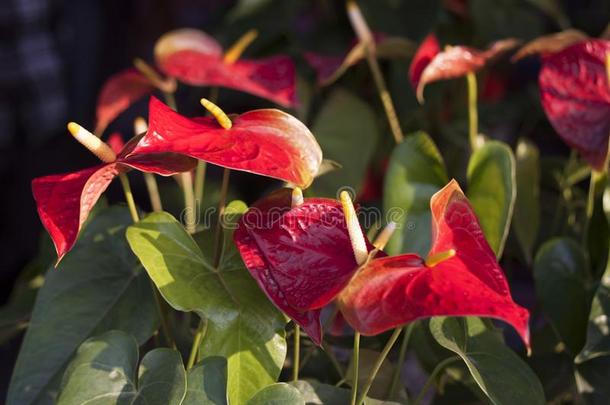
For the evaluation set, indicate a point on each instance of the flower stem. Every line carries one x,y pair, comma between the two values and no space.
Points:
596,182
439,367
195,346
153,192
189,201
356,365
296,352
401,358
158,303
473,114
377,365
224,189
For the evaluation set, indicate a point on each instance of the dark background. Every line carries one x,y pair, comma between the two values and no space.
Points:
55,55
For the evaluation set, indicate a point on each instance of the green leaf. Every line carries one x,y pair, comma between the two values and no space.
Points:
416,171
277,394
104,372
346,129
492,191
243,326
561,266
527,206
498,371
207,382
99,286
316,393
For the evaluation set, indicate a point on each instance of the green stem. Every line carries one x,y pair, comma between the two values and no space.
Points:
473,115
296,352
439,367
377,365
170,100
189,201
153,192
328,350
195,346
401,358
129,197
595,182
224,189
356,366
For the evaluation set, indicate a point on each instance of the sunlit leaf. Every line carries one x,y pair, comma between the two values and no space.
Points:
277,394
207,382
527,205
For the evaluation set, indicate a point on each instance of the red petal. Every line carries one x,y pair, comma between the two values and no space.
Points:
575,95
458,61
396,290
115,140
118,93
301,257
192,57
266,142
428,49
65,200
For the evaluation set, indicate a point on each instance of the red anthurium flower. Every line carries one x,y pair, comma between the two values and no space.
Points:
428,49
64,201
330,68
195,58
460,277
268,142
301,256
575,95
453,62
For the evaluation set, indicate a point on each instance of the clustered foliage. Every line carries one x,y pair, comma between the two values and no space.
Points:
343,306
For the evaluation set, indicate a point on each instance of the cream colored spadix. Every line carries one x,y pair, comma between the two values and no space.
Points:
353,228
95,145
297,197
439,257
385,235
139,126
222,118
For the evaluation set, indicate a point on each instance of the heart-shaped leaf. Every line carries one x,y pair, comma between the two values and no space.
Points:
207,382
396,290
265,142
118,93
575,95
500,374
345,127
548,44
104,372
301,257
492,191
277,394
195,58
316,393
243,326
98,287
416,171
527,205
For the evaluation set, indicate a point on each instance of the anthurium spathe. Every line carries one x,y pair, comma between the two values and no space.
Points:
195,58
301,256
575,95
268,142
430,64
460,277
64,201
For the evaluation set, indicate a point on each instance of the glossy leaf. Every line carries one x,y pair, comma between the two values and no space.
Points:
243,326
316,393
527,204
345,127
561,266
575,95
104,372
207,382
118,93
100,286
458,61
392,291
416,171
265,142
277,394
500,373
549,44
301,257
195,58
492,190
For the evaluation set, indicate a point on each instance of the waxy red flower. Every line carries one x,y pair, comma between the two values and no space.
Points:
461,277
267,142
431,65
64,201
300,256
575,95
195,58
